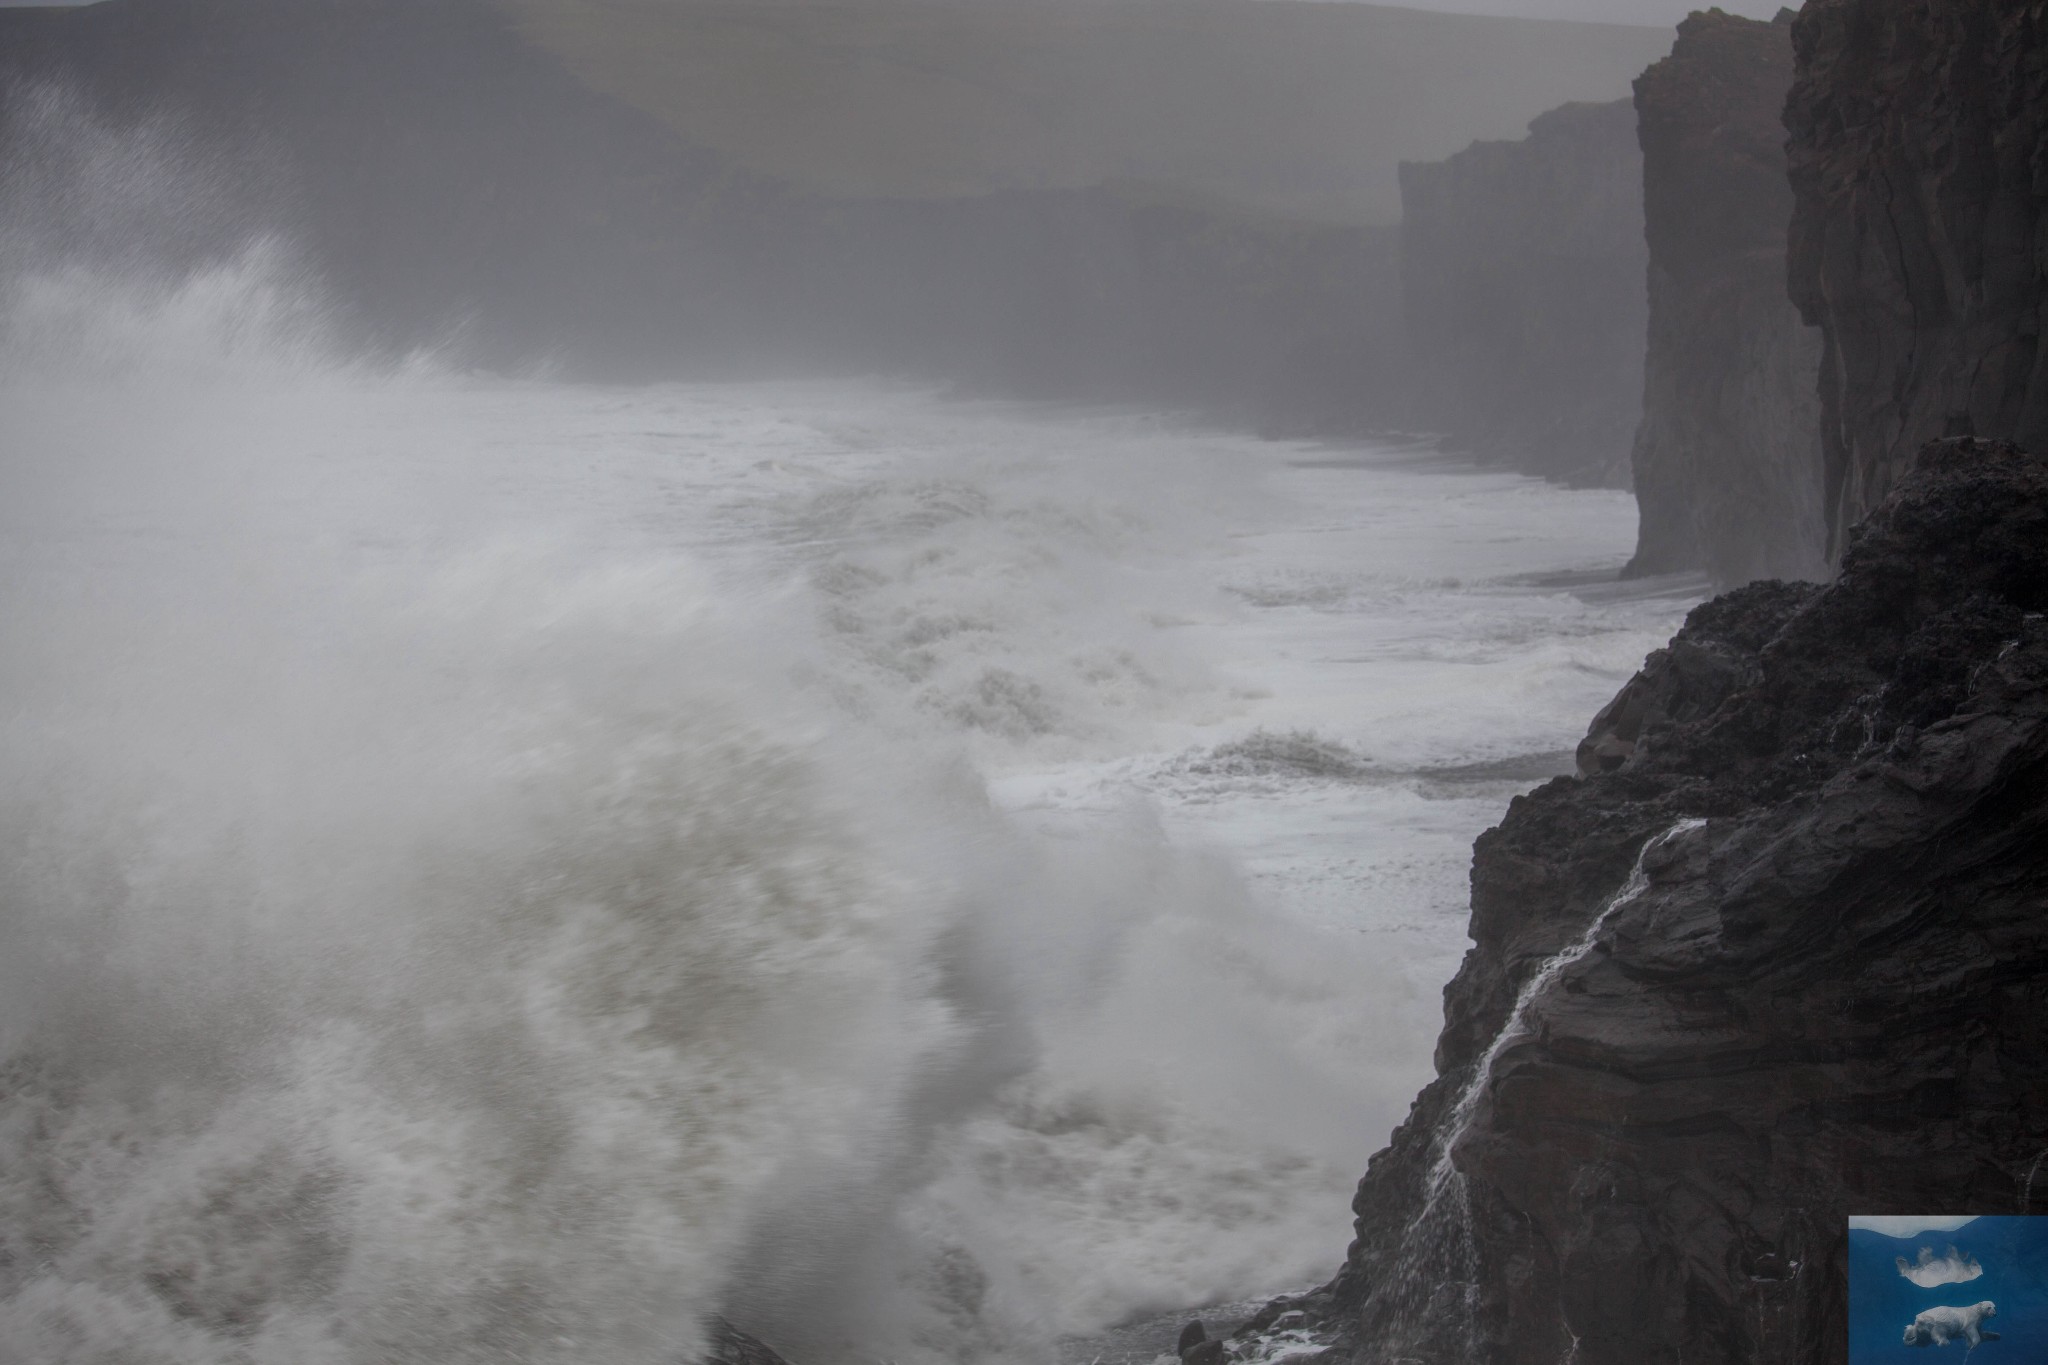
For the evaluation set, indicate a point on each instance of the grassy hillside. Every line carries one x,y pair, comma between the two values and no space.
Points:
1287,105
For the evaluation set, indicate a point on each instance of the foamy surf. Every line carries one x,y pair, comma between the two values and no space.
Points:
504,870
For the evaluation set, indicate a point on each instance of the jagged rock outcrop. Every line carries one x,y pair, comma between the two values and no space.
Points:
1523,292
1919,136
1727,459
1778,954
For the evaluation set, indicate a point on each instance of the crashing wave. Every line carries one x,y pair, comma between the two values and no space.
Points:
1293,754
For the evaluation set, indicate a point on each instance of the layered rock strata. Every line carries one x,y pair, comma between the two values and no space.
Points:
1523,293
1778,954
1919,135
1727,459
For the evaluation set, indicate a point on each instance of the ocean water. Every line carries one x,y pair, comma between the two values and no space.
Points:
2009,1258
499,869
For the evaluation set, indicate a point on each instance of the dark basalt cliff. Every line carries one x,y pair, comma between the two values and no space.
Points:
1727,459
1522,283
450,184
1779,953
1919,135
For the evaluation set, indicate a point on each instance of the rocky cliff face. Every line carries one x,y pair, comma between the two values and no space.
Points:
1919,135
1777,955
1727,459
1522,281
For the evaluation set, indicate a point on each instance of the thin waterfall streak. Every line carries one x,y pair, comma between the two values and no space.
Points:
1439,1241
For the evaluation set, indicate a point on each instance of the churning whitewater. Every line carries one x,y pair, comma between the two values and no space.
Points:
503,870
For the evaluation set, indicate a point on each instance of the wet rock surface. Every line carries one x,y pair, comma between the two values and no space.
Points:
1822,993
1918,132
1727,458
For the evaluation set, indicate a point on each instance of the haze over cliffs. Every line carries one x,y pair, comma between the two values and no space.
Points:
1047,200
1786,923
1522,287
1297,109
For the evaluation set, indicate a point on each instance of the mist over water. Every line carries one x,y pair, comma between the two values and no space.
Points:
499,870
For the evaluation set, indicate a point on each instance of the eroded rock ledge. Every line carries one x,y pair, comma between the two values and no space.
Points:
1824,995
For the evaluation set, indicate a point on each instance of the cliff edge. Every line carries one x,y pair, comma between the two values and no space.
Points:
1919,132
1776,955
1727,459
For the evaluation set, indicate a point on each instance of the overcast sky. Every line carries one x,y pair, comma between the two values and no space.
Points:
1659,12
1662,13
